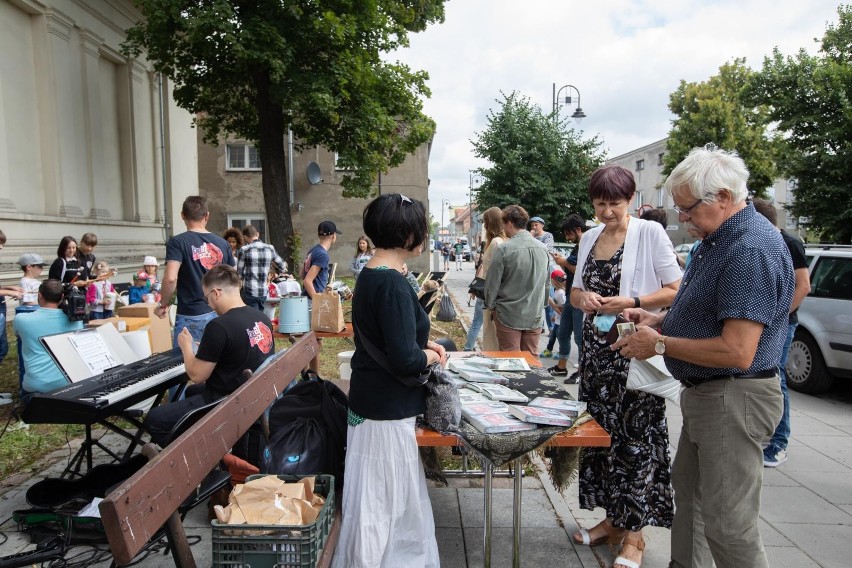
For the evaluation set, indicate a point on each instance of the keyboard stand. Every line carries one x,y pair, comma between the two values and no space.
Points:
85,452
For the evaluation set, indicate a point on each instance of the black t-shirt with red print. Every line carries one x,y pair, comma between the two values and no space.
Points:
197,253
239,339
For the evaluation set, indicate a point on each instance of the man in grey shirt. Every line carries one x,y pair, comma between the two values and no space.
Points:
516,285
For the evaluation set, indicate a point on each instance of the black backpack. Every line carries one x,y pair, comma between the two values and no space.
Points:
307,430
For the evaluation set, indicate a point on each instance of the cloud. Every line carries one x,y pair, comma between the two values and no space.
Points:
625,57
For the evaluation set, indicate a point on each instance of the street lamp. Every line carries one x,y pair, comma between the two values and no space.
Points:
578,114
476,181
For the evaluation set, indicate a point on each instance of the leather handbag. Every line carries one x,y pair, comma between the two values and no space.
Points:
477,287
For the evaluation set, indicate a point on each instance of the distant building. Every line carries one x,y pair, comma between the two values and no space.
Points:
646,164
230,177
89,139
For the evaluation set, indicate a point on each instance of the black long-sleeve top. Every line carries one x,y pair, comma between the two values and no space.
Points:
386,310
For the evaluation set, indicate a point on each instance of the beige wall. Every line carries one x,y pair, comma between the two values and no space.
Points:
80,135
239,192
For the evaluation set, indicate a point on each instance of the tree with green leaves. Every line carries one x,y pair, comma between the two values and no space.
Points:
810,97
716,111
254,67
536,162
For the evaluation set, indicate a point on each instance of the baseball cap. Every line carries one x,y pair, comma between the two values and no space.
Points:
31,259
149,261
557,275
140,276
537,220
327,228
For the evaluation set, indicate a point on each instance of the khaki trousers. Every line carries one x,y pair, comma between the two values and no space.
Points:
718,472
509,339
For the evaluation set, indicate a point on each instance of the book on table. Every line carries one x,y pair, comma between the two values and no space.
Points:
479,408
511,364
500,392
539,415
468,396
498,423
571,408
484,376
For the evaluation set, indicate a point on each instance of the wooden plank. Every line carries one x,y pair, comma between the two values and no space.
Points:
327,554
136,510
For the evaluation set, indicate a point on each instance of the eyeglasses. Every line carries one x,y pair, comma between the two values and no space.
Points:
207,295
687,210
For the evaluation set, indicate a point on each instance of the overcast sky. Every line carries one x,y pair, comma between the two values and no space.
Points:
624,56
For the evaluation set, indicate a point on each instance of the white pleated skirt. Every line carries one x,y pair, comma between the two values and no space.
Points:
387,515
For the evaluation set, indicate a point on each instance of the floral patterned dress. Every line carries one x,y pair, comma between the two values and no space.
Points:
632,478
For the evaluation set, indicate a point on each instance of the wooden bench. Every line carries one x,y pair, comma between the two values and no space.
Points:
136,510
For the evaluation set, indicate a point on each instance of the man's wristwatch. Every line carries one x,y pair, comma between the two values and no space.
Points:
636,302
660,346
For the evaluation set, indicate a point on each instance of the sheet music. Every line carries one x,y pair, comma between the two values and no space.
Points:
94,352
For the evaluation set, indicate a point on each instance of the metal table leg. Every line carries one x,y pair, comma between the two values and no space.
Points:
516,512
487,469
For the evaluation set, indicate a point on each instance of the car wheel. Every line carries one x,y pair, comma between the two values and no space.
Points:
806,370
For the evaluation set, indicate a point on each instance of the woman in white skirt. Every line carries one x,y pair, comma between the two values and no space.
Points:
387,515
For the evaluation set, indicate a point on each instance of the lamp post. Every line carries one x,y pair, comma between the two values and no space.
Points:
444,202
476,181
578,114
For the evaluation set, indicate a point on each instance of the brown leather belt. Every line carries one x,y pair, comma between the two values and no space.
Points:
693,382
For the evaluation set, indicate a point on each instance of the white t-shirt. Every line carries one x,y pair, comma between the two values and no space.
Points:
30,286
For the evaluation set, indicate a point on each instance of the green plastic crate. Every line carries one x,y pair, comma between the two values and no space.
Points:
283,546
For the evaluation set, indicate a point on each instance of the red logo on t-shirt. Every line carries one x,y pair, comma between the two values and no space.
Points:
261,336
208,254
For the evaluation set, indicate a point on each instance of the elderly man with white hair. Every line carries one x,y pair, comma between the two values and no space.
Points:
722,338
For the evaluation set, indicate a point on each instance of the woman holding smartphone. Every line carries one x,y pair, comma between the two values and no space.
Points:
620,264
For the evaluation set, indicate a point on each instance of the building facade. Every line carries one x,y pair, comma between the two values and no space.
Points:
90,140
230,177
646,164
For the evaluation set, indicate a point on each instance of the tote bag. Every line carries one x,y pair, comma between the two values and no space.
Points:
653,377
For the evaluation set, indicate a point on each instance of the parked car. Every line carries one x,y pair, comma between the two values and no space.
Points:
822,345
564,248
682,251
466,254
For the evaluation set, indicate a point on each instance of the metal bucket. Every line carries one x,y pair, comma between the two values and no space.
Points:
294,315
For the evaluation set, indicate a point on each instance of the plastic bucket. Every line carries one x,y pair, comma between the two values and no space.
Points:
294,315
344,360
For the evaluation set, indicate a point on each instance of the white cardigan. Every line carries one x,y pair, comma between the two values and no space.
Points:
649,261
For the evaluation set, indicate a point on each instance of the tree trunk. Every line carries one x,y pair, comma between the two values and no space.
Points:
276,196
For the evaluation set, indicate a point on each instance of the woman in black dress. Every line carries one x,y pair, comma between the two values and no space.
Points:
620,264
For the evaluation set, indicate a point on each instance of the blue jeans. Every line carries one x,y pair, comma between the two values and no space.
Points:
195,325
571,322
782,432
554,334
4,340
475,326
253,301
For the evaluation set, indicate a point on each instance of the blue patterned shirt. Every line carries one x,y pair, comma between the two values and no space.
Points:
741,271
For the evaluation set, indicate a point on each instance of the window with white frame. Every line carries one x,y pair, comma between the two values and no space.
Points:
640,165
338,167
242,157
240,220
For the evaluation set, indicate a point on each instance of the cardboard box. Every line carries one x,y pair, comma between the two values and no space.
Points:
160,330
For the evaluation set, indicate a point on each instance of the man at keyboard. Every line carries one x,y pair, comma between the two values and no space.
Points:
40,372
240,338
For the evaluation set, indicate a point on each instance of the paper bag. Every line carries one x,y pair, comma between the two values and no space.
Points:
327,312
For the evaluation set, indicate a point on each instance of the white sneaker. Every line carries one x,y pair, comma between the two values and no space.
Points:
775,460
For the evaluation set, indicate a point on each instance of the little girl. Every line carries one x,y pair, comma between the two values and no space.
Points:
97,297
149,265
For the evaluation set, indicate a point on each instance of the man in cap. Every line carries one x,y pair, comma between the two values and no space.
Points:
315,267
538,232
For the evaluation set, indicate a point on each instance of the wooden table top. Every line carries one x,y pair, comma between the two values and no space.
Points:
589,434
347,332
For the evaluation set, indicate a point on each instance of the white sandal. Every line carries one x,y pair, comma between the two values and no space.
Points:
639,543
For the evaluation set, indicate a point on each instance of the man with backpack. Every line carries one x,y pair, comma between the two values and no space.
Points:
239,338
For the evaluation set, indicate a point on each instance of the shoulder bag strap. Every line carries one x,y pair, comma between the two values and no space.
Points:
382,359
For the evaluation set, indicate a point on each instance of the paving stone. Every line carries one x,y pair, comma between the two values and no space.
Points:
806,458
778,476
451,547
806,425
770,536
834,487
786,504
827,544
785,557
836,448
536,510
445,507
544,547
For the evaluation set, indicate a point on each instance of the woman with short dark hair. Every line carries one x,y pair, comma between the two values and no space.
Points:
620,264
387,515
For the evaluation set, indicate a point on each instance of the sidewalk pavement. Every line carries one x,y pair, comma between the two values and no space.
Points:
806,504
